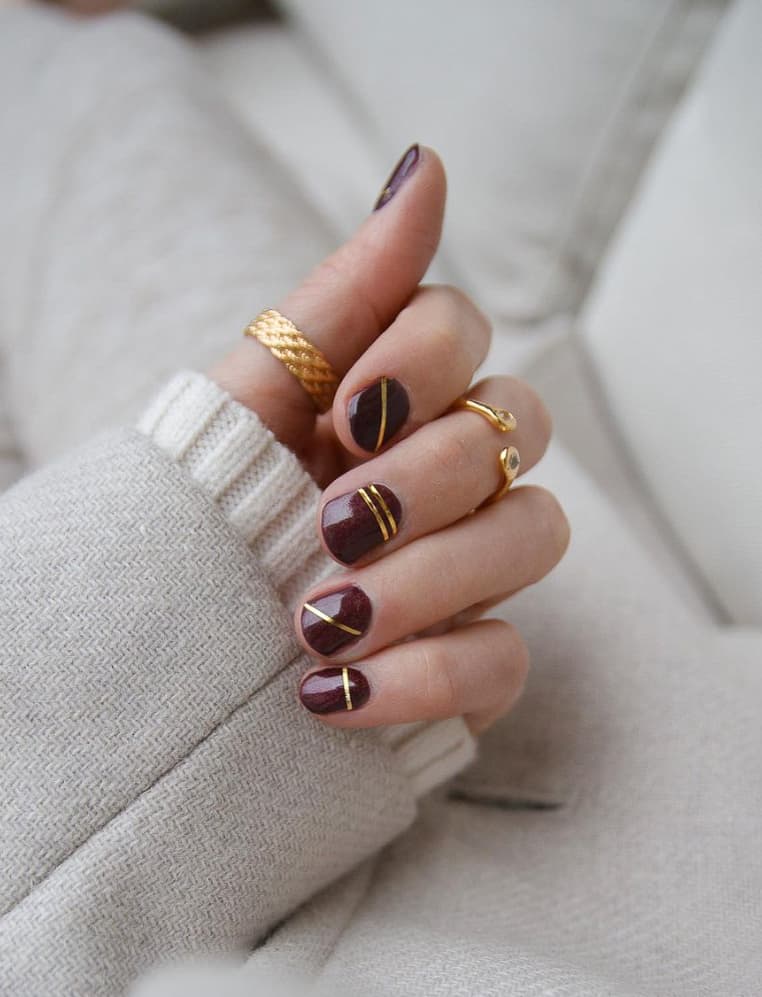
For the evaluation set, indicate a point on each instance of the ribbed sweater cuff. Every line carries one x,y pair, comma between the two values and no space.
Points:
269,499
258,485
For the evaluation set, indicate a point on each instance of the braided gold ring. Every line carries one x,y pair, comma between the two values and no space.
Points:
296,352
504,422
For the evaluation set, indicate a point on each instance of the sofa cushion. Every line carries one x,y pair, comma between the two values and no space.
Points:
673,329
544,113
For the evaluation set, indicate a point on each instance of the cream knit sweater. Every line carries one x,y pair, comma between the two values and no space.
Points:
268,498
164,793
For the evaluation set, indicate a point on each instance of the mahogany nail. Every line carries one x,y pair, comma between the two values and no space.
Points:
358,521
334,689
336,619
399,174
377,412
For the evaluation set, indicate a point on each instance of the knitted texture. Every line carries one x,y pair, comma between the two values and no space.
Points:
266,495
258,485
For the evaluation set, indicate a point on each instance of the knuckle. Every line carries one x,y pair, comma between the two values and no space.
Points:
537,415
448,337
456,454
521,660
439,672
460,302
458,312
513,664
550,522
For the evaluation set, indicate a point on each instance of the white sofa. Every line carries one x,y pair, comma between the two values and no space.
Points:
603,161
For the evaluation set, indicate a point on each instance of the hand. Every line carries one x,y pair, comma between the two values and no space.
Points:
398,497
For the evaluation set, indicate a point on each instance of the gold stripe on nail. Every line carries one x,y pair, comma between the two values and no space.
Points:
370,504
330,619
347,691
387,511
382,427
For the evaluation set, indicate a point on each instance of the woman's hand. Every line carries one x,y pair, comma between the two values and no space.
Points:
402,473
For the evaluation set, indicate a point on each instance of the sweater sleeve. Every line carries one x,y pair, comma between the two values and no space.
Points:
268,498
163,793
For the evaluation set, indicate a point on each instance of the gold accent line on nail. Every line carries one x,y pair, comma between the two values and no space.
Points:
370,504
347,690
330,619
387,511
382,427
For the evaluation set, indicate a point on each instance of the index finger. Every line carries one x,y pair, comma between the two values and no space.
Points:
350,298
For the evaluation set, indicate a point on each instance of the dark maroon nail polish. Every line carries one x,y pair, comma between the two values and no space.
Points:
357,522
399,174
333,689
377,412
332,621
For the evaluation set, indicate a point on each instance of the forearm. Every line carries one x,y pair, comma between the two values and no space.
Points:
163,791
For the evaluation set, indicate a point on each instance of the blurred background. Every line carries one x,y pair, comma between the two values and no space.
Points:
603,159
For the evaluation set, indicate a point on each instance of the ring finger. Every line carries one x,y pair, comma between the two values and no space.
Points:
432,479
503,548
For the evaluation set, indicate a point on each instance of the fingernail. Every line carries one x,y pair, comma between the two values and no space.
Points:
358,521
332,621
400,173
377,412
334,689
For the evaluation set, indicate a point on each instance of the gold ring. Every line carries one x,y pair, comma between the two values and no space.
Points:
296,352
500,418
510,462
508,458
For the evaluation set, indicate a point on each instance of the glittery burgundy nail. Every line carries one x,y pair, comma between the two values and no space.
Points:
334,689
399,174
377,412
336,619
358,521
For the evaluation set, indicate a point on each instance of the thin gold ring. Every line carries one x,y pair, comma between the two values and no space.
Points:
510,462
508,458
500,418
305,361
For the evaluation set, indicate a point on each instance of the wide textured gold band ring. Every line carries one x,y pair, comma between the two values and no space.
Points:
505,422
296,352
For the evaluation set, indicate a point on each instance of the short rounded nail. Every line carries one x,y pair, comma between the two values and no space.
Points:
356,522
399,174
332,690
377,412
331,621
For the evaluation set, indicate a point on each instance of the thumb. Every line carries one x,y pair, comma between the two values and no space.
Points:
349,299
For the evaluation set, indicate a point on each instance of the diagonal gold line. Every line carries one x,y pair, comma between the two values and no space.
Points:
369,502
385,507
330,619
347,691
382,427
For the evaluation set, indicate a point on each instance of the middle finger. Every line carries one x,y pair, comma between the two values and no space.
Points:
433,478
503,548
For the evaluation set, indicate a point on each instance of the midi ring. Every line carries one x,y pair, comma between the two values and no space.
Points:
296,352
510,462
500,418
508,458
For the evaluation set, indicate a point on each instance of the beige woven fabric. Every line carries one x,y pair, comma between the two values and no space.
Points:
605,843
